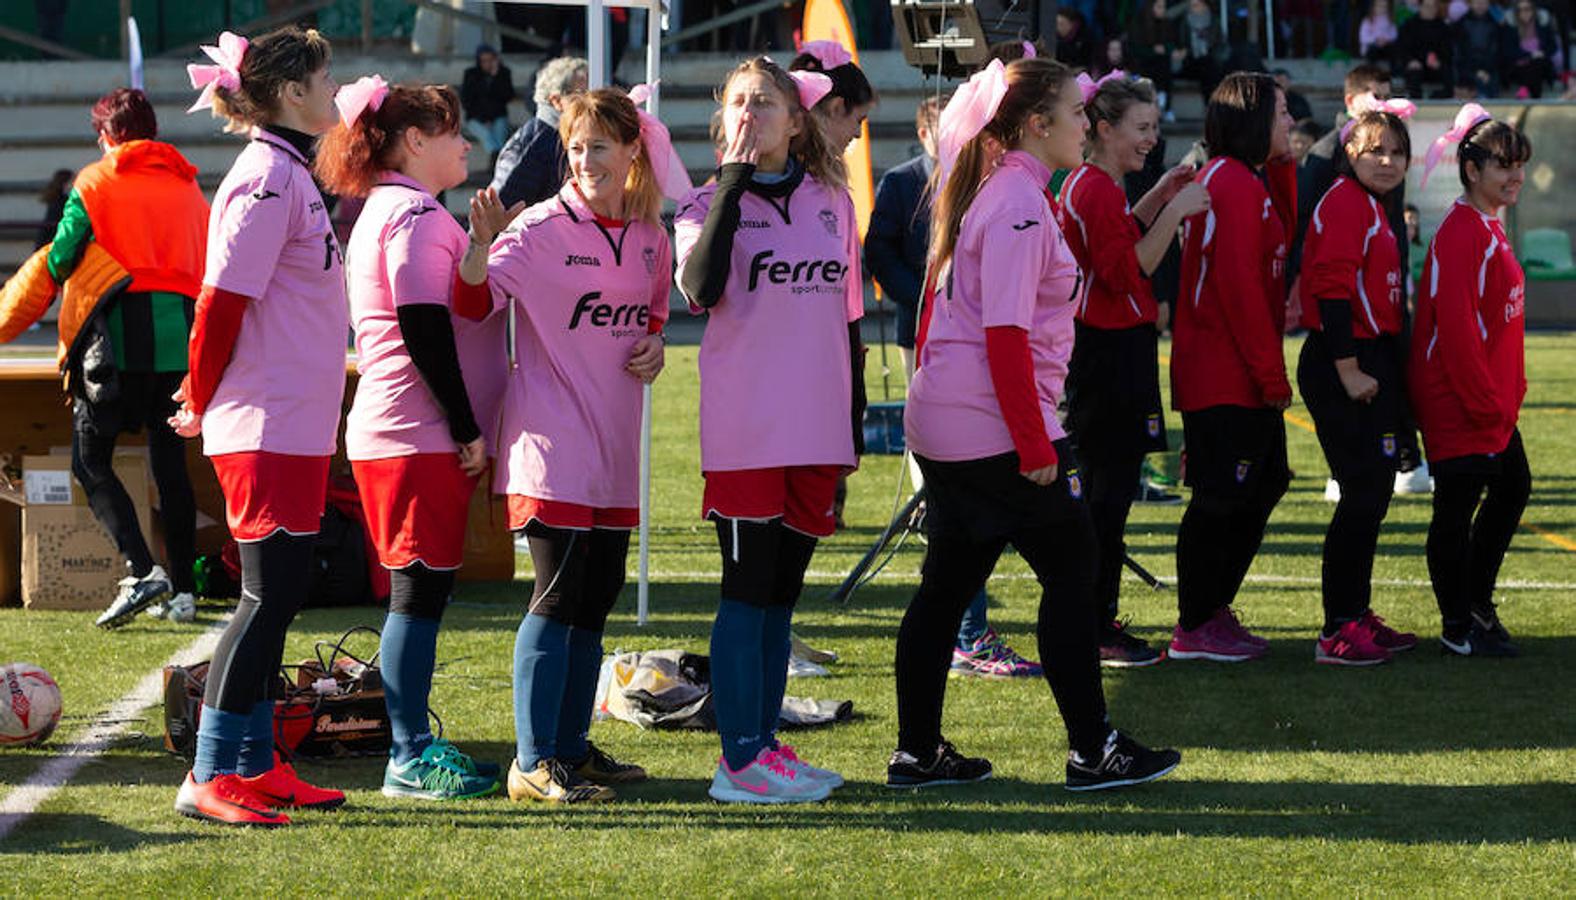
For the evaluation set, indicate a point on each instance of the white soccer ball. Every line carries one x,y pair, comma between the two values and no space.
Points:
29,704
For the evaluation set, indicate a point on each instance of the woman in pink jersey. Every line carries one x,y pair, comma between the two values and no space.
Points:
267,379
770,252
982,420
428,393
588,275
1113,378
1467,376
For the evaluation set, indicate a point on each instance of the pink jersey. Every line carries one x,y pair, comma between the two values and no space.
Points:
405,249
270,239
1011,267
775,385
584,291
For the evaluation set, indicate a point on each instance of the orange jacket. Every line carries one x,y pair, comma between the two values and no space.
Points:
146,209
26,296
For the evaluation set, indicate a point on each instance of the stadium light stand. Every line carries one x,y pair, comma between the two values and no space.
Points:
597,76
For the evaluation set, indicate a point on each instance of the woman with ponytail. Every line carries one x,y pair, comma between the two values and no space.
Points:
1113,378
426,400
1467,375
266,382
982,420
588,273
842,112
770,252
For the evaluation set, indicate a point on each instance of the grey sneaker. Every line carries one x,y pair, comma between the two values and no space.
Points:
181,608
135,595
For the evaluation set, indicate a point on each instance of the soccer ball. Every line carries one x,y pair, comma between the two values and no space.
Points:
29,704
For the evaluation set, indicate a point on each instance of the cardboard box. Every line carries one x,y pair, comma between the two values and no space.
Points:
68,560
11,502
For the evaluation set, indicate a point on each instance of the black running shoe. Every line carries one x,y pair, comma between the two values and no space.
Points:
134,596
1124,761
947,766
1120,650
1487,618
599,767
1478,642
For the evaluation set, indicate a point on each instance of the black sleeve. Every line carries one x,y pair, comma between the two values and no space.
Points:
706,269
856,362
429,336
1335,320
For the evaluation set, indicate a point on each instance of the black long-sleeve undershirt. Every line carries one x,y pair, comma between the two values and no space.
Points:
706,271
1335,320
429,337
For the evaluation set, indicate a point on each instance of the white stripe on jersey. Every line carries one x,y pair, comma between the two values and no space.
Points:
1083,230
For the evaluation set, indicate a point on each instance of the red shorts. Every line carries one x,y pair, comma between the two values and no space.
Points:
802,496
267,492
416,508
572,516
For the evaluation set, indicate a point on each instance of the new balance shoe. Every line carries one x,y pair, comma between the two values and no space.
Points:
134,596
1352,644
1214,640
1387,637
946,766
1123,761
553,782
226,800
282,788
180,608
467,762
814,773
600,767
1478,642
990,657
437,774
1228,616
769,778
1487,618
1121,650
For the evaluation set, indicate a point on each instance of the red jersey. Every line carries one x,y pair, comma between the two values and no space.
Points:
1350,254
1104,236
1467,372
1231,312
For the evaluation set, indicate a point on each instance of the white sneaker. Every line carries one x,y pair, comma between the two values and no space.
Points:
1417,481
1332,491
787,753
769,778
803,668
181,608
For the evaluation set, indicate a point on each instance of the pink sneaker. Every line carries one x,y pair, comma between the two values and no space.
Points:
1385,636
1352,645
1213,640
1228,617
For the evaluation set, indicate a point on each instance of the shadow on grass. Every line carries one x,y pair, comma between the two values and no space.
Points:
71,834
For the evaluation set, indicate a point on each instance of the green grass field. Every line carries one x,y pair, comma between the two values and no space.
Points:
1427,776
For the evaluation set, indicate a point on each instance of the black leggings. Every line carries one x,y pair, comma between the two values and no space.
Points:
420,592
1060,548
1478,502
276,573
1110,485
763,563
144,401
579,574
1350,543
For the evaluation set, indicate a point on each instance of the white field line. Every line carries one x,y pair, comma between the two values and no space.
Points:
102,733
1166,577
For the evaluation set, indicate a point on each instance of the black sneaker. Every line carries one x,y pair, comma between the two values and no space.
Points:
948,766
135,595
1478,642
599,767
1124,761
1120,650
1487,618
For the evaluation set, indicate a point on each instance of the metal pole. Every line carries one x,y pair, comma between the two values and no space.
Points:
366,26
596,41
125,35
643,590
1269,26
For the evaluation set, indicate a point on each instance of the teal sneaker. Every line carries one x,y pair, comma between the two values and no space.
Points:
435,775
467,762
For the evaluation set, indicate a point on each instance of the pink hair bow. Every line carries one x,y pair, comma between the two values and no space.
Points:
1028,50
226,74
1468,118
1088,86
1399,107
812,87
354,98
830,54
968,112
671,175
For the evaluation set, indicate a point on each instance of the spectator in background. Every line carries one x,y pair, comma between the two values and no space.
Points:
899,232
1304,134
1202,51
1425,52
531,166
1481,45
1074,43
1338,25
1297,106
1299,21
53,196
485,93
1532,51
1113,57
1150,33
1376,34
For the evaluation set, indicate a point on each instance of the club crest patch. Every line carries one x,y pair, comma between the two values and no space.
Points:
1244,466
829,219
1152,425
1074,484
1387,444
649,257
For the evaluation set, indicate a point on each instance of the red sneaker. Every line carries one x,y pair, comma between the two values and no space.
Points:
282,788
1387,637
227,801
1352,645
